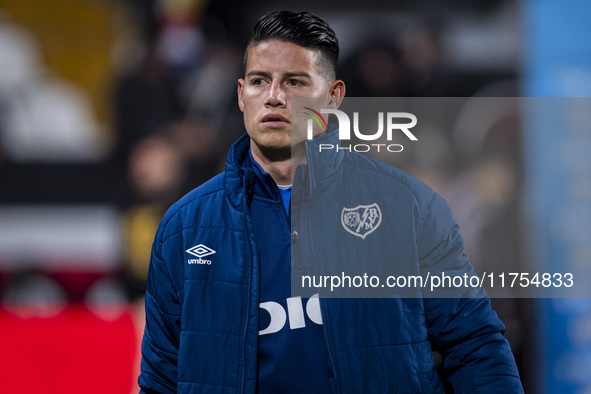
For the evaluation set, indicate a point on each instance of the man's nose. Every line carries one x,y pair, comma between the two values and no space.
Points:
276,96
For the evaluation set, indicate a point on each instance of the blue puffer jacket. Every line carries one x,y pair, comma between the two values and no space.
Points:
202,301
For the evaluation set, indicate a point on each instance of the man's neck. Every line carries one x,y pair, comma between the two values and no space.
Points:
278,166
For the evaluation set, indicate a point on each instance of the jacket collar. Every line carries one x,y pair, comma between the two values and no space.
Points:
239,181
323,164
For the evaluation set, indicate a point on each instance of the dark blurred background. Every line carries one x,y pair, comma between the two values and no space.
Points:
112,110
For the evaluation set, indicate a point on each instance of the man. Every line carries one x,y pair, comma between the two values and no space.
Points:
220,316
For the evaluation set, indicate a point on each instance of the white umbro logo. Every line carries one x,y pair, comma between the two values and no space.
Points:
200,251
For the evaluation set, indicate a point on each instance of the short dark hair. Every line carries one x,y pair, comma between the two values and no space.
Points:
301,28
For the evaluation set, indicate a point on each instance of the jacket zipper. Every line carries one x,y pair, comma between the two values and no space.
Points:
327,328
295,226
295,238
294,244
251,260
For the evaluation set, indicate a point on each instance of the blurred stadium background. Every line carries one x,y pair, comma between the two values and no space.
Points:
111,110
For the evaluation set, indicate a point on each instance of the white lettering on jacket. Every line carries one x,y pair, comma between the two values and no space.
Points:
295,312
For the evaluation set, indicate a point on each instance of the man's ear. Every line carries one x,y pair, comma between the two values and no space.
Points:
336,93
240,89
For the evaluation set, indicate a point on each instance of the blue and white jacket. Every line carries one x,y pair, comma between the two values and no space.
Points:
202,308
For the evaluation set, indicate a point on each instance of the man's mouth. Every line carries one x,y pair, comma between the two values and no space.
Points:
275,121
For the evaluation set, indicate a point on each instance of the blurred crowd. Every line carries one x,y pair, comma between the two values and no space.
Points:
173,114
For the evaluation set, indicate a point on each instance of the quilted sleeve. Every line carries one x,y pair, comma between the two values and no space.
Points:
160,344
465,329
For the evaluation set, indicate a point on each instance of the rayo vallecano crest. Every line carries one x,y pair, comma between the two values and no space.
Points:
361,220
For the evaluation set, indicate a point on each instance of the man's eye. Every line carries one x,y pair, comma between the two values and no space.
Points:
294,82
257,81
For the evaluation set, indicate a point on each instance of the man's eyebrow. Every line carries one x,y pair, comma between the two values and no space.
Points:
285,75
296,74
257,72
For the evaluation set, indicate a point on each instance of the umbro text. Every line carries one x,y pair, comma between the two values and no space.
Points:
199,261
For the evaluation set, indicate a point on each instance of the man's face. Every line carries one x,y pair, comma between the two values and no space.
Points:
275,72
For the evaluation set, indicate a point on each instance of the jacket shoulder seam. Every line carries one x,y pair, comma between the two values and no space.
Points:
200,227
194,195
390,172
